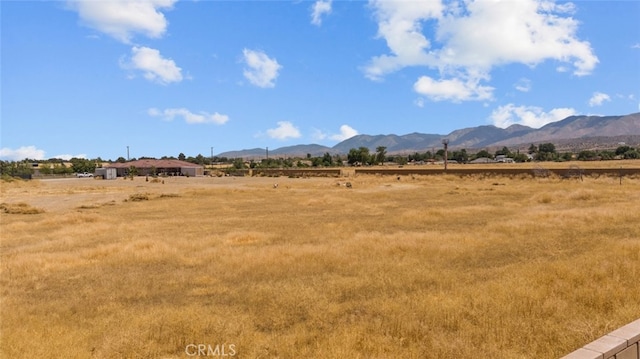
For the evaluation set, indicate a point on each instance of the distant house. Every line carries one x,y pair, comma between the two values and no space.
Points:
148,167
504,159
483,160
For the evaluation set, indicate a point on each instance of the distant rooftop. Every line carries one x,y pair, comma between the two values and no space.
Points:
148,163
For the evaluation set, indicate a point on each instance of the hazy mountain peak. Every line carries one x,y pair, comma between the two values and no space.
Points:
573,127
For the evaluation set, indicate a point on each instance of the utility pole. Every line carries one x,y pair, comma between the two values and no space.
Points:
211,161
127,153
445,142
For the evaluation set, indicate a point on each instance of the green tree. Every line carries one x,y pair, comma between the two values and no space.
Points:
546,152
46,168
181,156
632,154
79,165
440,154
61,168
504,152
338,161
621,150
238,164
16,169
133,171
381,152
521,157
460,156
607,155
360,155
627,152
533,149
483,153
401,160
567,156
327,160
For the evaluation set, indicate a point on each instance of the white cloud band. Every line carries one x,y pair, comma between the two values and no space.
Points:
21,153
505,116
189,117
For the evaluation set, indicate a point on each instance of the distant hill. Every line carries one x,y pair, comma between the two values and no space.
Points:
303,150
574,133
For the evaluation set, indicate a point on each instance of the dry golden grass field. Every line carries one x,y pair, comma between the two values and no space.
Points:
420,267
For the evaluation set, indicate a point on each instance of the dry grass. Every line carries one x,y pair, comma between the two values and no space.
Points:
19,208
424,267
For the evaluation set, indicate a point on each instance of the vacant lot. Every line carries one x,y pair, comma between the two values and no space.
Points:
420,267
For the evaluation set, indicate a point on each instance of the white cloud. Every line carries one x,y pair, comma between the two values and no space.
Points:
523,85
346,132
320,8
505,116
400,24
262,71
526,31
466,40
285,130
121,19
21,153
155,68
636,46
454,90
318,135
598,99
67,157
189,117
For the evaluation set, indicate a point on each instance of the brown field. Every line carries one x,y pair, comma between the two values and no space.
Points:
421,267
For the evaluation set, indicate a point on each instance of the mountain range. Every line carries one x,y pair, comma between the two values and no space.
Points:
572,133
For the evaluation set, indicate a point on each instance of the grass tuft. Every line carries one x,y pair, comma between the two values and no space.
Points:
19,208
137,197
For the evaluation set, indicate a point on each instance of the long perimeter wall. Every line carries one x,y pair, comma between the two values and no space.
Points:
622,343
564,172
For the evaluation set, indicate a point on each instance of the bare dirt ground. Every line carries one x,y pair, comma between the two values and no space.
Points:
70,193
54,195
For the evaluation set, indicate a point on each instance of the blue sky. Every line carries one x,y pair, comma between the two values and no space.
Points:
89,78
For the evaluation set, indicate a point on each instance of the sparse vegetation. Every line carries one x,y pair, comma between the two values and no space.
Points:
424,267
19,208
137,197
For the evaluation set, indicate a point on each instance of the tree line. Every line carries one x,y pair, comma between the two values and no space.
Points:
361,156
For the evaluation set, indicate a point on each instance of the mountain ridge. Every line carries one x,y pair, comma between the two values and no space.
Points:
571,131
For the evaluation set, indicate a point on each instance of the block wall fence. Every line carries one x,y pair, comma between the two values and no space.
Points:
622,343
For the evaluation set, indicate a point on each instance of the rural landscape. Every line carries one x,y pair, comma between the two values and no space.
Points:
347,266
379,179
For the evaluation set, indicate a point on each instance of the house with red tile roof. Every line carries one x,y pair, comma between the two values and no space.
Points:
149,167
